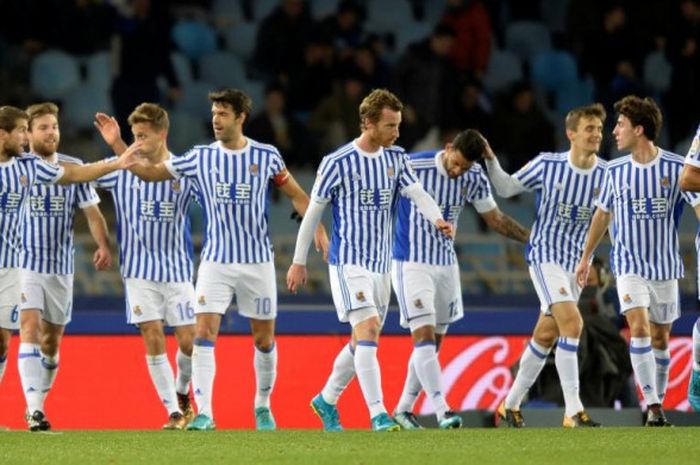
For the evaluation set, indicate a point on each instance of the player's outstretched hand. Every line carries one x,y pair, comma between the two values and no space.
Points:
582,273
108,127
102,259
296,277
130,157
446,228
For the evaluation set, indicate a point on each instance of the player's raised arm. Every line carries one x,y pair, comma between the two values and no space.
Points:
300,201
85,173
110,132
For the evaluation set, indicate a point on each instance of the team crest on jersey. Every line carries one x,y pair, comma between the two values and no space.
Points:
23,298
360,296
137,310
23,180
254,170
665,183
202,300
177,187
562,291
695,145
596,192
627,299
390,171
418,303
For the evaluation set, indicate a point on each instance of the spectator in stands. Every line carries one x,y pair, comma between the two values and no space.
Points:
521,128
426,81
375,69
335,120
345,27
143,47
311,82
282,38
472,26
84,27
470,110
274,125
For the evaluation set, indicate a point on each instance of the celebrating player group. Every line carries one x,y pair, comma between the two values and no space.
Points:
394,224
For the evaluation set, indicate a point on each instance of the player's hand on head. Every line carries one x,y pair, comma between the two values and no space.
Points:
108,127
296,277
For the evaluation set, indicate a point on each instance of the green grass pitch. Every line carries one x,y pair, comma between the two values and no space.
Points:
537,446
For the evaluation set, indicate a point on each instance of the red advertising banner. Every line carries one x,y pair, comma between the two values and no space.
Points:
103,381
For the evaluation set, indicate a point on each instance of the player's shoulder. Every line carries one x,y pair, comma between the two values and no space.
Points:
602,163
422,160
620,161
268,148
63,158
28,158
553,156
671,157
395,150
341,153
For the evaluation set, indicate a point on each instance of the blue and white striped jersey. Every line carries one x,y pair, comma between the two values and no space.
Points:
362,188
417,239
693,156
646,202
153,229
47,238
17,176
564,205
234,189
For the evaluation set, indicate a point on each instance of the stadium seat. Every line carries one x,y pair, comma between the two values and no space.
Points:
194,38
504,69
657,72
553,69
187,131
54,74
240,39
526,38
222,69
410,32
227,12
99,70
81,104
195,100
256,91
321,9
263,8
388,15
183,67
573,94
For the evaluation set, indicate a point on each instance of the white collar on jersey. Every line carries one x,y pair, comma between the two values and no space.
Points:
235,152
7,163
376,154
652,163
581,170
439,163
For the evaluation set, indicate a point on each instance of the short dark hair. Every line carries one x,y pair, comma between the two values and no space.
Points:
471,144
594,110
9,116
642,112
238,100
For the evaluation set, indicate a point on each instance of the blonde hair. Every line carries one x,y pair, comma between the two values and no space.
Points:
594,110
40,109
150,113
372,105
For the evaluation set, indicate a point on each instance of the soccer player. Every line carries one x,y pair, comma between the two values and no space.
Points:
155,256
566,185
690,181
425,273
362,180
233,177
47,295
642,197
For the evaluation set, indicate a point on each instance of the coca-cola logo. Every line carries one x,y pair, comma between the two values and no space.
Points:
478,376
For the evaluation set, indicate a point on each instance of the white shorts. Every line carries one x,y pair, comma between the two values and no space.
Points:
50,293
253,284
9,298
427,294
659,297
354,288
147,300
553,285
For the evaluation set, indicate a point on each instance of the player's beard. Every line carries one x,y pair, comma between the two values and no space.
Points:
45,149
12,151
